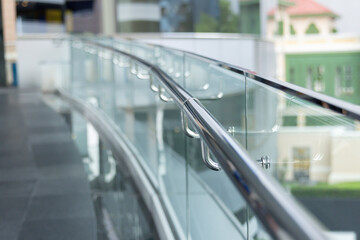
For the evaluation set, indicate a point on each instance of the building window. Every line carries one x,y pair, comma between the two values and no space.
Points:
346,86
280,30
309,78
312,29
301,160
292,30
319,83
338,81
292,75
344,80
315,79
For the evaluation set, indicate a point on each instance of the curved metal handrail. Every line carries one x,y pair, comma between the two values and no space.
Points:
277,211
319,99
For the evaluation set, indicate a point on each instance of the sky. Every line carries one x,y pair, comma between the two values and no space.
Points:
349,21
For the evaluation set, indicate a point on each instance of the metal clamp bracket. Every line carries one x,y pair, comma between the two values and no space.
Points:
133,68
205,153
153,87
264,162
117,61
185,126
143,74
162,96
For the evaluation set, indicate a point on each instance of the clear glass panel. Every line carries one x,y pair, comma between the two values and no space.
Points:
119,209
151,127
172,164
214,202
221,91
171,62
199,78
312,152
311,149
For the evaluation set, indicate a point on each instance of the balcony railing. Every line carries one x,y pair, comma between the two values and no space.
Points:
177,116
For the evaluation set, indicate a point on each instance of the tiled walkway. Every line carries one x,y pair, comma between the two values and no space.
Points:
44,192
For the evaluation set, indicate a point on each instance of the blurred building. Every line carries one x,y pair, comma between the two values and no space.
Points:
42,16
138,16
250,17
176,16
129,16
310,51
162,15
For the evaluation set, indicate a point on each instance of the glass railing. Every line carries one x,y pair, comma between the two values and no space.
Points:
178,110
119,208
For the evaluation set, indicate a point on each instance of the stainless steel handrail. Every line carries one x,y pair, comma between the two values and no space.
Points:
278,212
319,99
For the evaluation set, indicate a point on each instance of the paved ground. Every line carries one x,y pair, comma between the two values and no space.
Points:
44,193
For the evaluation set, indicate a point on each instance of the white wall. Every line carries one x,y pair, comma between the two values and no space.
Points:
240,50
138,12
33,54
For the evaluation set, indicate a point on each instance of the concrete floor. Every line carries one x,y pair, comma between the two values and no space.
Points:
44,192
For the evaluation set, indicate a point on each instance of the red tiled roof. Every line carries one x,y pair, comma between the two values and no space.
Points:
304,7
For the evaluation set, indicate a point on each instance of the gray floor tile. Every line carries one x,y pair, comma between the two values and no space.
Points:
6,145
60,207
10,137
15,151
61,171
59,229
16,161
18,174
46,129
50,137
44,191
17,132
10,230
17,188
45,149
62,186
44,122
13,208
60,159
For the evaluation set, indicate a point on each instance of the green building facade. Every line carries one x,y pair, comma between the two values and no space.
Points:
334,74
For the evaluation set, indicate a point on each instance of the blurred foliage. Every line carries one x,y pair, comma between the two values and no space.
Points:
228,22
339,190
206,24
